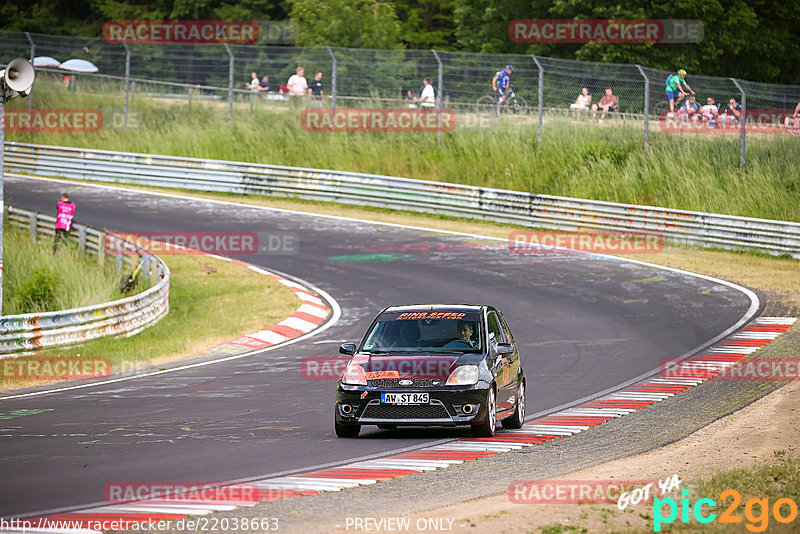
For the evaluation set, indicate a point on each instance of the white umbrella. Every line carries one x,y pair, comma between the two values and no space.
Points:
78,65
46,61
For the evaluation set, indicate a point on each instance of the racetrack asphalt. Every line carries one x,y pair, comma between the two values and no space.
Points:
584,324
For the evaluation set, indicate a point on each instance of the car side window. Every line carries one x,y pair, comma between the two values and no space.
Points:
506,329
495,332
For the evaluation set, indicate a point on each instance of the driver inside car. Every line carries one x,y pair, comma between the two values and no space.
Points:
465,330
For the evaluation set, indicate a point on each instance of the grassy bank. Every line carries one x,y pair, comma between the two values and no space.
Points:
211,301
36,280
583,159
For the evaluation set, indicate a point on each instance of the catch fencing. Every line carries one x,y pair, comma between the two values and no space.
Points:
380,78
527,209
124,317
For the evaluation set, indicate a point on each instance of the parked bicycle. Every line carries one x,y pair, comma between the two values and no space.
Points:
511,104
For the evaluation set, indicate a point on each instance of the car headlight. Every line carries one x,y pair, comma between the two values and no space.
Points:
354,375
463,375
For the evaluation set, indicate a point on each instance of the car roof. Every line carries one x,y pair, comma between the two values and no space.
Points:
435,307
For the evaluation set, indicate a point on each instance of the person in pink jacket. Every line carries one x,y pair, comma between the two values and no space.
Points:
66,211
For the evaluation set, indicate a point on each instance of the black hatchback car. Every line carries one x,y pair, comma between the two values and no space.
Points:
432,365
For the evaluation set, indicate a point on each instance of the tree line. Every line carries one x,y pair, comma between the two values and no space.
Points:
750,39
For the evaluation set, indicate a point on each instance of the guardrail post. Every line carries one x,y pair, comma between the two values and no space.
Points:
33,226
541,100
146,267
230,87
101,249
742,122
334,63
646,109
33,55
439,101
82,239
127,79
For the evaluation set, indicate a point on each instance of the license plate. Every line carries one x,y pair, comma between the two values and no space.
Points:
405,398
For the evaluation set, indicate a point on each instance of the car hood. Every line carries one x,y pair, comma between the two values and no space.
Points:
435,366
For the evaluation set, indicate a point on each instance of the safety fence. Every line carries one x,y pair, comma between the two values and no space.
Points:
383,78
526,209
124,317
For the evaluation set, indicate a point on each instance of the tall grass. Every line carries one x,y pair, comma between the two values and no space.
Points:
36,280
587,160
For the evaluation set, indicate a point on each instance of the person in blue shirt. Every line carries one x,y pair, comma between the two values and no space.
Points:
502,82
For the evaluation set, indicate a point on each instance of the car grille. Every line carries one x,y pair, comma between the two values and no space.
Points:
415,383
416,411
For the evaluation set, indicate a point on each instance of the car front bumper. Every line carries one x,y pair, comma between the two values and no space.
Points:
447,407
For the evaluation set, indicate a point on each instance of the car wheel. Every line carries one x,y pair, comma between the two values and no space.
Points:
488,427
387,427
518,419
347,431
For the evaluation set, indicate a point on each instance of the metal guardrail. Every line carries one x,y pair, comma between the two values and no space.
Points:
123,317
527,209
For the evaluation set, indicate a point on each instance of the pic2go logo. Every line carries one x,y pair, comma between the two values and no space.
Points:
756,511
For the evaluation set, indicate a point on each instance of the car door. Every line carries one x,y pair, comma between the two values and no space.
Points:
514,360
500,364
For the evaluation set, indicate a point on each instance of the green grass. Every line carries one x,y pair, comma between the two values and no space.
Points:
36,280
211,302
585,160
771,480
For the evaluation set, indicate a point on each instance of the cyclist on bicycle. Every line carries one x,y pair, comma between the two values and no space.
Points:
501,83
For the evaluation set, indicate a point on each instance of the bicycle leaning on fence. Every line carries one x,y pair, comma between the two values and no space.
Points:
511,104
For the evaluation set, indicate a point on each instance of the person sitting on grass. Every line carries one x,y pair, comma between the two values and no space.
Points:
731,114
794,120
709,113
264,87
607,103
582,103
689,107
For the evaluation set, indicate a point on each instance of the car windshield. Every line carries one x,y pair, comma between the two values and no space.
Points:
425,331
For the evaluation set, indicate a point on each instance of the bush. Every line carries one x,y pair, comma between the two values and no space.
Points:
38,292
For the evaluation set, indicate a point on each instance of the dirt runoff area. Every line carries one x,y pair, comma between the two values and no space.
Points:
743,439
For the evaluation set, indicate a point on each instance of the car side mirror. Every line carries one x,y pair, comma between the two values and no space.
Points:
347,348
503,348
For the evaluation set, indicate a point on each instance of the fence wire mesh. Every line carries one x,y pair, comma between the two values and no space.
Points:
384,78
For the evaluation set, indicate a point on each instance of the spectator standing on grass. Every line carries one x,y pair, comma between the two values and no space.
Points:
674,90
795,118
297,84
64,215
427,98
315,87
582,103
606,104
731,114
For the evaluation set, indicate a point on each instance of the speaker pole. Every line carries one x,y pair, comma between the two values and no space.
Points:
2,184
